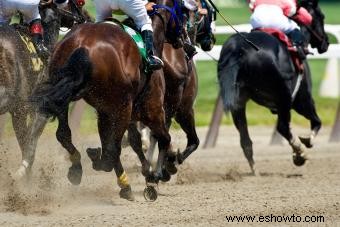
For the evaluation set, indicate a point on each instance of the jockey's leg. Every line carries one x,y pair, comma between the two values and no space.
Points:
36,31
298,41
30,11
137,11
153,61
292,30
189,34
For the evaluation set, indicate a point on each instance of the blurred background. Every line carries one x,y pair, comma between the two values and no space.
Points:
237,12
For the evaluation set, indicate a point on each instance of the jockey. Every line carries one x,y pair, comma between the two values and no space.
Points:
30,12
191,6
136,9
284,15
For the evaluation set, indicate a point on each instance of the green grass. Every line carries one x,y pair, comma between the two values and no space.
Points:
208,87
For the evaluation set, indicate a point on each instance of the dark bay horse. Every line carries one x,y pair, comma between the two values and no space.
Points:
181,88
268,77
20,72
101,64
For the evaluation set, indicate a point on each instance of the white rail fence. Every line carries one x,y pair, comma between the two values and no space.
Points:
330,86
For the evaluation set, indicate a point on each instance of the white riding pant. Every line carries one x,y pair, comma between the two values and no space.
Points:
132,8
190,5
271,16
29,9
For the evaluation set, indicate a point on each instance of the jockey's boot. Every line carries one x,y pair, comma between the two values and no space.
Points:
298,39
189,49
36,31
189,34
154,62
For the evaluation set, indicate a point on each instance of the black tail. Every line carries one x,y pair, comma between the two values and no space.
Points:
228,69
65,85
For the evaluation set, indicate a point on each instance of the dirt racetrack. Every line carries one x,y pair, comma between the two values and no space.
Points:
211,185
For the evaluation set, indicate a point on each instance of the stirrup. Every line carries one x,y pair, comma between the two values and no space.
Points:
154,62
190,50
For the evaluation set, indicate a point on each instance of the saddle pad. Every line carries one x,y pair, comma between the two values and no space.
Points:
135,35
37,63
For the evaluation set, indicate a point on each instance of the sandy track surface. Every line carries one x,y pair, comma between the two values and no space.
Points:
212,184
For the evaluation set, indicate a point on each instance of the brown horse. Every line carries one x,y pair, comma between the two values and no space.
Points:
101,64
181,90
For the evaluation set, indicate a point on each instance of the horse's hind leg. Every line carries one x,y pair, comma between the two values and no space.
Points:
64,136
304,105
19,122
111,130
34,130
240,121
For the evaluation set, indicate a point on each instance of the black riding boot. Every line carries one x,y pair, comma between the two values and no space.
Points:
153,61
298,39
189,49
36,31
189,32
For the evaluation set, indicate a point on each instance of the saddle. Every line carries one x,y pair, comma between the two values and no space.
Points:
130,28
283,38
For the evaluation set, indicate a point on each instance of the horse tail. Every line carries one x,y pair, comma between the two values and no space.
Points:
228,68
64,85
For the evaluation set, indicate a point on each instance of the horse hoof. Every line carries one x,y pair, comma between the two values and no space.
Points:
150,193
126,193
107,166
96,165
20,173
306,141
93,153
254,172
75,172
171,168
299,160
165,176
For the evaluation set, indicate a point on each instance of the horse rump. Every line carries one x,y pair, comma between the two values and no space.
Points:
64,85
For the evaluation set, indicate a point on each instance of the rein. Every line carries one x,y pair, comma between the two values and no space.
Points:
176,16
320,39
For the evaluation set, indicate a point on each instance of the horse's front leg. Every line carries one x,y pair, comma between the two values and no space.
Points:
135,140
64,136
304,105
186,120
283,127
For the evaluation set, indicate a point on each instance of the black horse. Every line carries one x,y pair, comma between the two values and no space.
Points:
20,73
268,77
